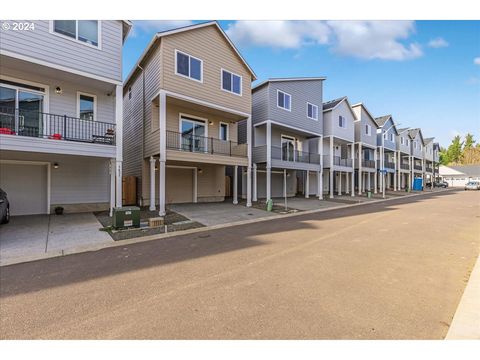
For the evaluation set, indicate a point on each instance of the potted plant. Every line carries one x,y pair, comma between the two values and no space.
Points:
59,210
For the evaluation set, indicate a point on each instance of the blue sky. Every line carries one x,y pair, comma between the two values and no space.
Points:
425,73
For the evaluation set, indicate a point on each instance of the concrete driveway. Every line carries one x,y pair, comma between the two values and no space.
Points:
218,213
35,235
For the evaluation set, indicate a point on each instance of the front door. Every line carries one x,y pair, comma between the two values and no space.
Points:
288,148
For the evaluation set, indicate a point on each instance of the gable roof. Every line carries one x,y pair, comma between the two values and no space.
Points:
332,104
126,27
468,170
400,131
161,34
414,132
380,121
428,140
366,110
269,80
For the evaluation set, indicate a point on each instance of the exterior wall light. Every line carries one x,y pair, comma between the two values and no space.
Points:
55,165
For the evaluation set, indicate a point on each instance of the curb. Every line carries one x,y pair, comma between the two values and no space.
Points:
89,248
466,321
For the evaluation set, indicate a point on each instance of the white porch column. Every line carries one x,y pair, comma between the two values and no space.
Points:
359,168
339,183
163,152
394,171
320,173
347,183
410,173
269,160
375,185
235,185
307,185
285,184
399,164
369,175
331,172
352,192
249,168
119,142
152,183
112,185
254,190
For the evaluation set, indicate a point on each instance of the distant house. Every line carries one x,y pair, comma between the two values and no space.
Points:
459,175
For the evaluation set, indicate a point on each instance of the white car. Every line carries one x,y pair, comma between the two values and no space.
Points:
472,185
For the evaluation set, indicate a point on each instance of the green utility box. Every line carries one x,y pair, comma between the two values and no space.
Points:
369,194
128,216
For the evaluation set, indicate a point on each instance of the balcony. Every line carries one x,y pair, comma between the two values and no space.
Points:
389,165
337,161
16,122
207,145
288,154
417,166
429,168
405,166
368,164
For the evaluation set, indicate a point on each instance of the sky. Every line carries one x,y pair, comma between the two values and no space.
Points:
424,73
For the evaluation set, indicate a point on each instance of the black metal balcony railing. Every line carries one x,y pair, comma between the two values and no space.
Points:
404,166
368,163
337,161
428,168
207,145
288,154
389,165
17,122
417,166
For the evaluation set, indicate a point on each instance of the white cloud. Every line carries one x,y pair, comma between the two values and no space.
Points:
476,61
375,39
438,43
157,25
279,34
362,39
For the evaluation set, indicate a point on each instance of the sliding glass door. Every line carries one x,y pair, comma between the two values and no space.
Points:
193,135
288,148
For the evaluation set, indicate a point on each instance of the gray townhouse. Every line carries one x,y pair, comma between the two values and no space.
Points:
365,149
338,147
61,115
404,179
428,159
417,145
287,121
387,150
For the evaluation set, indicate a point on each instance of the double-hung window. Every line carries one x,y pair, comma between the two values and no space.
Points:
284,100
312,111
231,82
188,66
368,130
407,142
86,31
342,122
391,137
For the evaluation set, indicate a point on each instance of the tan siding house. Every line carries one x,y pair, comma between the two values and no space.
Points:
183,102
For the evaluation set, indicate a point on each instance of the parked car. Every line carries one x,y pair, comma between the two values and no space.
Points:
472,185
442,184
4,208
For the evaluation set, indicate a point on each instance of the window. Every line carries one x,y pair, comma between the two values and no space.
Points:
86,31
414,144
223,132
391,137
312,111
86,105
407,142
341,121
284,100
193,134
402,140
288,148
231,82
129,93
188,66
368,130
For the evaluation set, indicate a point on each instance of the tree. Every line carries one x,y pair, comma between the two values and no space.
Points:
454,151
469,141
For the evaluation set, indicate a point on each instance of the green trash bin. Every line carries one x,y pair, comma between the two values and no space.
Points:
369,194
125,217
269,205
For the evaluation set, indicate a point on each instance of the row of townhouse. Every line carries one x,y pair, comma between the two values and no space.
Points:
186,123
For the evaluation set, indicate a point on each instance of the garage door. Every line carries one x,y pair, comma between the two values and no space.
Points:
179,185
26,188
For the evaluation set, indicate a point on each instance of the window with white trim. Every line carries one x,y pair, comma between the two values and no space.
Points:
188,66
284,100
312,111
407,142
392,139
402,140
342,122
86,31
129,92
86,106
231,82
223,131
368,130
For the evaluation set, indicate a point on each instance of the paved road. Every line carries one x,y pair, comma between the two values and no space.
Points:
391,270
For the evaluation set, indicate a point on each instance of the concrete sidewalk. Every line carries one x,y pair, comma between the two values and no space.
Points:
466,322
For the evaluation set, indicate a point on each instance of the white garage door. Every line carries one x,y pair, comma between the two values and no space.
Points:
26,188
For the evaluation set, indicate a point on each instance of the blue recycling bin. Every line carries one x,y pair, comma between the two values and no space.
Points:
418,184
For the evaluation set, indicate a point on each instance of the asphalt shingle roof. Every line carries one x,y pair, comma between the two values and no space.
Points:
329,105
380,121
470,170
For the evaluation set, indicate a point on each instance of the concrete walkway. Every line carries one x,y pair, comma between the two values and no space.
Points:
210,214
301,203
466,322
36,235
